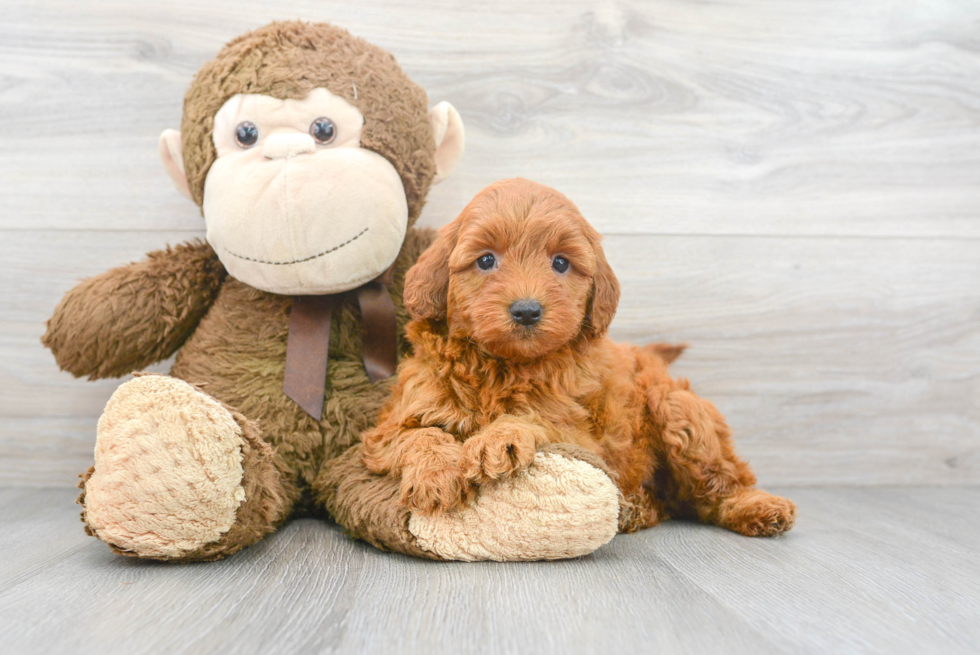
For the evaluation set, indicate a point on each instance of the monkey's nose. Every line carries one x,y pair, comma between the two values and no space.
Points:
278,146
526,312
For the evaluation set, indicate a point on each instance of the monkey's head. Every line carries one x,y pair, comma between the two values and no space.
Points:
310,153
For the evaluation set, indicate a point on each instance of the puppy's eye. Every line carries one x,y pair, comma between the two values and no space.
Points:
246,134
323,130
560,264
486,262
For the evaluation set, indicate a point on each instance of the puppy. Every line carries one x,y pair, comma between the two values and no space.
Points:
510,309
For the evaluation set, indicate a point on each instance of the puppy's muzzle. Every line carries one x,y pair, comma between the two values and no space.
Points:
526,312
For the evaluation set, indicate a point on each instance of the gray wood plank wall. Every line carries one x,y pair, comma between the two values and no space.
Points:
791,187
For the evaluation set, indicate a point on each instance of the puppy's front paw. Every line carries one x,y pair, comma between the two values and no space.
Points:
498,451
432,490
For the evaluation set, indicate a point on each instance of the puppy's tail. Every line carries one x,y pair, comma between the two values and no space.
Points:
668,352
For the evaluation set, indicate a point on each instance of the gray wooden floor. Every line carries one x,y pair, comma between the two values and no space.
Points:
873,570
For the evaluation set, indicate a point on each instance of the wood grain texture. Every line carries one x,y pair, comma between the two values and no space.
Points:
789,187
831,364
884,570
665,117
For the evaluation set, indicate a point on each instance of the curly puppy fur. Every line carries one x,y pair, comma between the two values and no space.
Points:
483,391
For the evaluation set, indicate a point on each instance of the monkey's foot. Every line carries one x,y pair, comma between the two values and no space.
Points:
168,474
564,505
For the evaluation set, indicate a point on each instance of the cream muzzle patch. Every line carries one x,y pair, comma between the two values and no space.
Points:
289,211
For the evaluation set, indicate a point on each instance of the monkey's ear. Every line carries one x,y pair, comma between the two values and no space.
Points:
427,283
447,128
171,154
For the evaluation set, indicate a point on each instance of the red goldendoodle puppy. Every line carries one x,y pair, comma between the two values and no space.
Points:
510,307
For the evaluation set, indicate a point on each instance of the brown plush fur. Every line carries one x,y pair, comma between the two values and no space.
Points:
232,337
236,354
177,286
288,60
367,505
482,393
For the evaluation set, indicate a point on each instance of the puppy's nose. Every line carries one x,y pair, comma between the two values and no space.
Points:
526,312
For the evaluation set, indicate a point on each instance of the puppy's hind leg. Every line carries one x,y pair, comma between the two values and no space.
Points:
697,450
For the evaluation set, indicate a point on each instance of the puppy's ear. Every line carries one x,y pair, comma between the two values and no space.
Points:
427,283
604,299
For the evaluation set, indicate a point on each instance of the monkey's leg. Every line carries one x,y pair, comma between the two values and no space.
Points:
697,449
178,476
563,505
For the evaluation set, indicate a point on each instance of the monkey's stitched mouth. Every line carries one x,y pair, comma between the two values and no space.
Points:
299,261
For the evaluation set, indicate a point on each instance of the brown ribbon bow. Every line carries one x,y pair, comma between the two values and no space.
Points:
309,341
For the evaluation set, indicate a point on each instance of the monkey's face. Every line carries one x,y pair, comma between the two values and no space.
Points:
309,178
293,204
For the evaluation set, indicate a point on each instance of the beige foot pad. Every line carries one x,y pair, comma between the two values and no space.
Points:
557,508
168,469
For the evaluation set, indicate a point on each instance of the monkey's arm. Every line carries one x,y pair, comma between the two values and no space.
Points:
134,315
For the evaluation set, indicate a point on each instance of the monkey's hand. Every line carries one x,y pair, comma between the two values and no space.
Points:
135,315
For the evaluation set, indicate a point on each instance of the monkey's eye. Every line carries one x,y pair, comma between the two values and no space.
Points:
323,130
560,264
486,262
246,134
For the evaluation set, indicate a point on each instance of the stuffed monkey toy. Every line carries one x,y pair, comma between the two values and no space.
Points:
310,154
